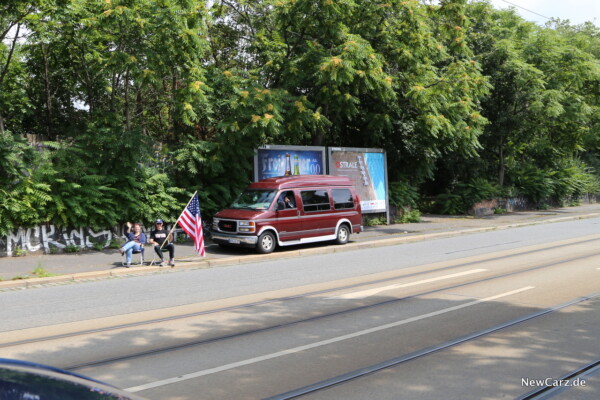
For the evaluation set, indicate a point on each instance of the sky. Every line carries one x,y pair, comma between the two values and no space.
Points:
577,11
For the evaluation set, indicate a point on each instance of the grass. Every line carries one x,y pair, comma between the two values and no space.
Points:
40,272
19,252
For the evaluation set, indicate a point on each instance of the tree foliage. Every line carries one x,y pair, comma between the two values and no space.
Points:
132,105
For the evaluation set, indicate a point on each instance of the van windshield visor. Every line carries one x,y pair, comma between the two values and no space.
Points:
254,199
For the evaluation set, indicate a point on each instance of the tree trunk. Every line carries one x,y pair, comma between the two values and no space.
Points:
113,91
174,105
1,125
501,160
10,54
140,109
49,111
127,111
318,138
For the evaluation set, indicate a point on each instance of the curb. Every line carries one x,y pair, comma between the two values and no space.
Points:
246,259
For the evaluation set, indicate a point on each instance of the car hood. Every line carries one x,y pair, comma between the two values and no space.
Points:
231,213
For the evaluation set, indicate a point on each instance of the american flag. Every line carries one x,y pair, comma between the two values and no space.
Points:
191,222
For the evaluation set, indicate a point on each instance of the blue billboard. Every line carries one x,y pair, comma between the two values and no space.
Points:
271,161
367,169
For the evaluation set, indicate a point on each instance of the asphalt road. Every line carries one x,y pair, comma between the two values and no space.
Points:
262,330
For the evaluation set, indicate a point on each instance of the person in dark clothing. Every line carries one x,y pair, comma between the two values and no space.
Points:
160,237
286,200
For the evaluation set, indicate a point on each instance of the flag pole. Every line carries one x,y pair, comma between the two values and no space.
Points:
174,226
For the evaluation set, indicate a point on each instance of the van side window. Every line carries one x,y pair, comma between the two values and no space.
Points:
342,199
286,200
315,200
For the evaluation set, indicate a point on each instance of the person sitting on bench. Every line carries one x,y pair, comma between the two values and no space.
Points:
161,240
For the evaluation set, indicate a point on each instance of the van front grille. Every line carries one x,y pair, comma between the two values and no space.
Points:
228,226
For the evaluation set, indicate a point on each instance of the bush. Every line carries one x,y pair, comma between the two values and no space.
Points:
477,190
534,184
403,195
408,217
448,203
562,184
115,243
464,196
22,198
572,180
181,238
376,221
71,248
96,244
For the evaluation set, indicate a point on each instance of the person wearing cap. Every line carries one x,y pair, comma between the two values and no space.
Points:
161,240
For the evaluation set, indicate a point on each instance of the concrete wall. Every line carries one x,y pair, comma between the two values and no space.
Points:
518,204
488,207
45,237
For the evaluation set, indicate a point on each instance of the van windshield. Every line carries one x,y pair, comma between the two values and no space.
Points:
254,199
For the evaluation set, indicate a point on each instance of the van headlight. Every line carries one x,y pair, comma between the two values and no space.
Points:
215,224
246,226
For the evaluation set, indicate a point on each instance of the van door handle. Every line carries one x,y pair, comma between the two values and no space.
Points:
298,212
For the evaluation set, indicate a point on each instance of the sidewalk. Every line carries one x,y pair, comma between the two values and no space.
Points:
107,263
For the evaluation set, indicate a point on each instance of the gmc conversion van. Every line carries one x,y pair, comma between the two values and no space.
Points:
290,210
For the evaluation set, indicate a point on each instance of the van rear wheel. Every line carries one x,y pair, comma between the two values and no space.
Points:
343,234
266,243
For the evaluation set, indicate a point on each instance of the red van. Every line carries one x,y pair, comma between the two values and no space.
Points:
290,210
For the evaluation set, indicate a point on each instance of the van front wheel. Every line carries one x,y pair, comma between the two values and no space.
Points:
266,243
343,234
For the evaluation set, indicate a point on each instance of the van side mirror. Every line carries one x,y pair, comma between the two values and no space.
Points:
280,206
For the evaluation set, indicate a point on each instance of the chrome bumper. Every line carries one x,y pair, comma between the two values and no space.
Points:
219,237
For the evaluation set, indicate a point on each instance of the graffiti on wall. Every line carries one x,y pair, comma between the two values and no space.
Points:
517,204
44,237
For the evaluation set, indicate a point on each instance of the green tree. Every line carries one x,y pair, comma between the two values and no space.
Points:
542,108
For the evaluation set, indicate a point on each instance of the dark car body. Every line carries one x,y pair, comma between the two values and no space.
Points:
319,208
22,380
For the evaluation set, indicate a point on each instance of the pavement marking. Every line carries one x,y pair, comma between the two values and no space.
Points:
371,292
298,349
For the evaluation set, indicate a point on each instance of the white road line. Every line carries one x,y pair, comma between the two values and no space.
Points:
298,349
371,292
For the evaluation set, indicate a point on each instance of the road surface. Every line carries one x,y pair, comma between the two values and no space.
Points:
483,316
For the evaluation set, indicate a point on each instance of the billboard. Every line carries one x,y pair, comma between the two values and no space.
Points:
367,169
271,161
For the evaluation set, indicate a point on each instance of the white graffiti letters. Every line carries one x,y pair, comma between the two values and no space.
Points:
47,236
